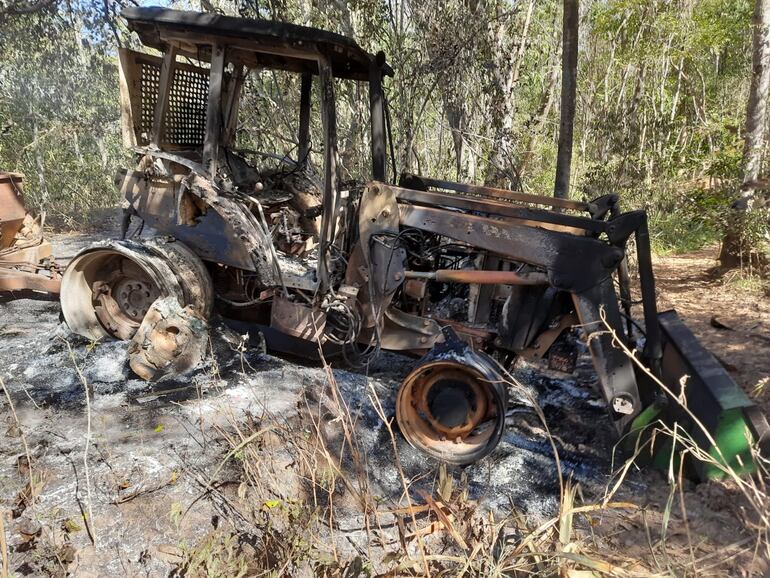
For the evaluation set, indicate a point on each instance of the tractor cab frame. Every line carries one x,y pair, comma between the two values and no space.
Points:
188,114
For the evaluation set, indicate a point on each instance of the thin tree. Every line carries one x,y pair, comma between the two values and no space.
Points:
755,134
570,23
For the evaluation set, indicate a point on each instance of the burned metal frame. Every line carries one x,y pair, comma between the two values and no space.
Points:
216,42
569,250
379,266
617,230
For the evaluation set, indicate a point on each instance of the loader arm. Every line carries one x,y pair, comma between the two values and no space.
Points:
581,256
579,264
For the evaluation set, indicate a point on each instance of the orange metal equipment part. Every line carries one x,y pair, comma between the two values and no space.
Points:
25,256
12,210
452,405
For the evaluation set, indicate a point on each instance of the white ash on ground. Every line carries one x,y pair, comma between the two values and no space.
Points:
154,450
149,442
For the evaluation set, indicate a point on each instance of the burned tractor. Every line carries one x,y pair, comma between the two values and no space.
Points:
471,278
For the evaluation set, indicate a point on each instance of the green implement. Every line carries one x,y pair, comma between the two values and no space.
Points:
704,407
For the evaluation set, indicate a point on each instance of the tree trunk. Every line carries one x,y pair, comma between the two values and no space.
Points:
734,247
756,110
40,164
456,118
502,172
568,92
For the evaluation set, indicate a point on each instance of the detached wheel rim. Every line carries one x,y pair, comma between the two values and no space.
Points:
451,411
108,289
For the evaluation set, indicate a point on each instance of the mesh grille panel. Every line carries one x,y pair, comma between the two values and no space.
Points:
186,116
185,122
150,80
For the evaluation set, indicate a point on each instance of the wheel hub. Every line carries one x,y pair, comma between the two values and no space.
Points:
134,297
123,297
450,402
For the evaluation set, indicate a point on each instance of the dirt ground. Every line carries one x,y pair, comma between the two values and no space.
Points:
729,314
134,497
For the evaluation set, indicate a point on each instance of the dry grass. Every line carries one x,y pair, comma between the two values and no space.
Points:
3,549
295,497
23,437
293,485
89,520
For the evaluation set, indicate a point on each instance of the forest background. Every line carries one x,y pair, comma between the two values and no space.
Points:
662,87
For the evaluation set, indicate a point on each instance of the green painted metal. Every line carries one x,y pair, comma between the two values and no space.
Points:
717,403
734,442
733,449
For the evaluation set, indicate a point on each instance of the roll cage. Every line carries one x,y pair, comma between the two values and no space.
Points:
191,111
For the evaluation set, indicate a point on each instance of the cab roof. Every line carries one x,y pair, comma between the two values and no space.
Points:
251,42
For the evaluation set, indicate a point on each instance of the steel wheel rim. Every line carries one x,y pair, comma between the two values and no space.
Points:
91,288
122,301
464,443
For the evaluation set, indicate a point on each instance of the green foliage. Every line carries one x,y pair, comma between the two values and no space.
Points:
58,108
661,99
670,82
718,24
690,220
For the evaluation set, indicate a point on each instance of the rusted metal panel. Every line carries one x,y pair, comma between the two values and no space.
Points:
407,332
574,263
15,280
211,233
525,313
12,211
383,266
28,255
291,46
506,194
25,257
130,104
297,319
523,215
543,342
